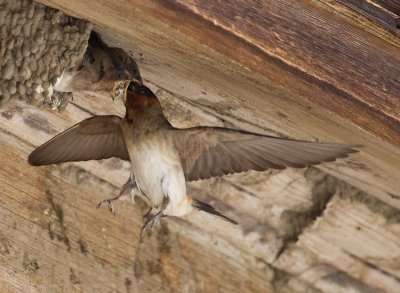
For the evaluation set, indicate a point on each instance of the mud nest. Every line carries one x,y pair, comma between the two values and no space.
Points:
37,43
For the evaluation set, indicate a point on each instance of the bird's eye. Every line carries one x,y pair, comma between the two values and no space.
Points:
131,87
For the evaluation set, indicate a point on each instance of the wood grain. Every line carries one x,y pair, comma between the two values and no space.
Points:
339,55
385,13
391,5
344,239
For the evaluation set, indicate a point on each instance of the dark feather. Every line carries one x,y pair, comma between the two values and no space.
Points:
212,151
210,209
95,138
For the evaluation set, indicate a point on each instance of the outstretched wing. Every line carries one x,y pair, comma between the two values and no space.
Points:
212,151
94,138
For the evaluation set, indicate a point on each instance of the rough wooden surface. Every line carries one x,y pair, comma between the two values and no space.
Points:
354,244
384,13
315,70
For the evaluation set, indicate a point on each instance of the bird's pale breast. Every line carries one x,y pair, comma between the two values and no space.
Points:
156,166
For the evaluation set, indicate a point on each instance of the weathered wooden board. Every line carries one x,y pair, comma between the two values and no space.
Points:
391,5
355,244
380,12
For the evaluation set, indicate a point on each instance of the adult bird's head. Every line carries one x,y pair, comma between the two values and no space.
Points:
135,95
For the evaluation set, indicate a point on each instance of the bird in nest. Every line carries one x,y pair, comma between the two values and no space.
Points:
99,68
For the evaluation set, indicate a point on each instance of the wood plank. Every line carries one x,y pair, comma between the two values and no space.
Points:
349,237
382,12
391,5
310,45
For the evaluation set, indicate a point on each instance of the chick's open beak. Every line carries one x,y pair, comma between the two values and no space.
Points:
120,88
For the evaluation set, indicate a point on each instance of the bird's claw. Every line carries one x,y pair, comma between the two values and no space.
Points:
147,213
151,220
109,203
125,190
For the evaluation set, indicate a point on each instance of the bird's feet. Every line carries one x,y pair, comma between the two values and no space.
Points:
126,189
109,202
58,100
151,220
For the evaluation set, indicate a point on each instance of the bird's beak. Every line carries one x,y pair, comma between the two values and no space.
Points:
120,88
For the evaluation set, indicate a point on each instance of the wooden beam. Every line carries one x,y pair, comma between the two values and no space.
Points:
390,5
385,13
345,239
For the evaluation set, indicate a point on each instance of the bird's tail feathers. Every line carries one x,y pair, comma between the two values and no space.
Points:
211,210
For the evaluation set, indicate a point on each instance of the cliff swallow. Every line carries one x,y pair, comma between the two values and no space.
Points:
100,67
163,158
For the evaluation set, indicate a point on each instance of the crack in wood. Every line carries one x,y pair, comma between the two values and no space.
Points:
52,229
373,266
391,214
323,190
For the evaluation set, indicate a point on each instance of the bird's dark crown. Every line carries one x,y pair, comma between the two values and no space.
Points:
139,88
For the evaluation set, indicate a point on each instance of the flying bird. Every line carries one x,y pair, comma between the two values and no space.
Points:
163,157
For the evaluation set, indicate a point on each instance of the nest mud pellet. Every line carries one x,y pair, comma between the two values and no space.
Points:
36,44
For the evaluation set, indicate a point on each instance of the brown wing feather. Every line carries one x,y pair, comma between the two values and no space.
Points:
211,151
94,138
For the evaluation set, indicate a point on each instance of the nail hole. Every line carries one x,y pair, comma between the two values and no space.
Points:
398,23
